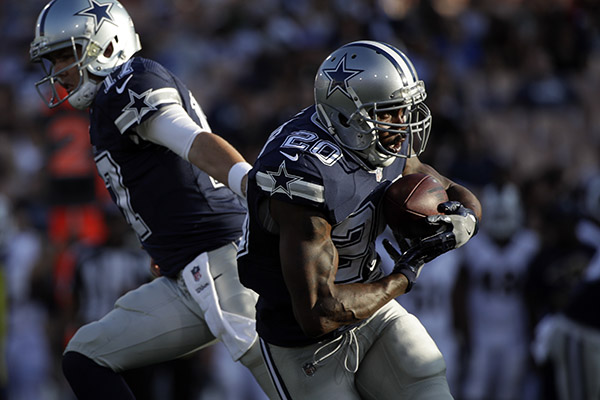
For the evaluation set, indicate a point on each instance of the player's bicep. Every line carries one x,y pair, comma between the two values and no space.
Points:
308,260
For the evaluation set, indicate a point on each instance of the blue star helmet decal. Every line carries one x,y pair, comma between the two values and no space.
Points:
138,104
339,77
282,180
100,12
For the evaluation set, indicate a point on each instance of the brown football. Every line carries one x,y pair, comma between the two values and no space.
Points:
409,200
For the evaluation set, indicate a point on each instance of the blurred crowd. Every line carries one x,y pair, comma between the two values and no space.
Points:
512,86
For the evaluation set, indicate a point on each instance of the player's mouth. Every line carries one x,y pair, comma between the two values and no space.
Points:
67,86
393,142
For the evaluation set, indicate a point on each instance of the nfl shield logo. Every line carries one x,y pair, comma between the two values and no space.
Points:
196,273
309,369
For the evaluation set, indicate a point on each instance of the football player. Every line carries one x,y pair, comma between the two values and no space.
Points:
325,317
166,171
496,264
568,339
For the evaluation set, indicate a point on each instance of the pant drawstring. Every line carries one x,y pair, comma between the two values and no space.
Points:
349,340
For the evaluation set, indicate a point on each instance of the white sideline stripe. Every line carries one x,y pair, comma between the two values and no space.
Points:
272,371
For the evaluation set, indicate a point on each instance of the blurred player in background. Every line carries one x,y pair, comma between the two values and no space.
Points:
28,352
496,266
326,318
569,339
165,170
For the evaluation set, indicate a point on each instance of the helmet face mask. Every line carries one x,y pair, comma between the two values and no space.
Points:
49,88
99,32
360,81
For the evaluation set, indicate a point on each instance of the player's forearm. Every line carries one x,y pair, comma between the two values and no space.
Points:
322,306
351,303
173,128
214,155
309,261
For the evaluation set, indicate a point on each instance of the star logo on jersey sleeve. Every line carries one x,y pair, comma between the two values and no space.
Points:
282,180
138,104
339,77
100,12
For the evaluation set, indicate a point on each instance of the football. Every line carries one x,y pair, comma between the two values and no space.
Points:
409,200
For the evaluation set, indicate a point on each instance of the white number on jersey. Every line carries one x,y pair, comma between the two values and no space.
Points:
110,172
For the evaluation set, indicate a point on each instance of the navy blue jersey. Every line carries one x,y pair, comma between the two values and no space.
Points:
302,163
177,210
580,306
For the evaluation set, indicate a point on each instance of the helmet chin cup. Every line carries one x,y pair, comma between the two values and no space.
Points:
376,159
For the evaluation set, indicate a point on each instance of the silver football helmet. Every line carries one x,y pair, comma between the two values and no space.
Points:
505,212
360,80
99,32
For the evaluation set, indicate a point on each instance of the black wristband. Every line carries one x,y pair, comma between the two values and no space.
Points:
409,271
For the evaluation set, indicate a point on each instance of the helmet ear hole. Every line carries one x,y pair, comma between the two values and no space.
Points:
109,50
343,120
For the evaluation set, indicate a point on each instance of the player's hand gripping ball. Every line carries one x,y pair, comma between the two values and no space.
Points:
409,201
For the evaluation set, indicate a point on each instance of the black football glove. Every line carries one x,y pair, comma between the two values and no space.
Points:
412,261
460,221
